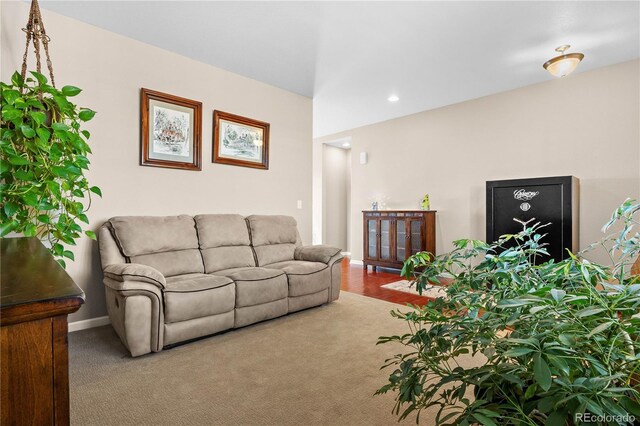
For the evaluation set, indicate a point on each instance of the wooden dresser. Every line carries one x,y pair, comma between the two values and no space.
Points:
36,297
391,236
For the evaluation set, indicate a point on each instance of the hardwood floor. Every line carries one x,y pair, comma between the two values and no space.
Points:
356,279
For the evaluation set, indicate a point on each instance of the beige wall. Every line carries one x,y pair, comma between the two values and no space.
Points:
111,69
586,125
335,196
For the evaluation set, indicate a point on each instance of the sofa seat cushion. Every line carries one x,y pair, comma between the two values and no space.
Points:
304,277
197,295
255,286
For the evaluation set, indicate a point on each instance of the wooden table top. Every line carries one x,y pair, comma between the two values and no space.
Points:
30,274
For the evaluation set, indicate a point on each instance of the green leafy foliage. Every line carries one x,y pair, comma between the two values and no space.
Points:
552,340
43,189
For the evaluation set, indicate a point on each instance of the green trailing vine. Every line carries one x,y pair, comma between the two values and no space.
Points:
44,192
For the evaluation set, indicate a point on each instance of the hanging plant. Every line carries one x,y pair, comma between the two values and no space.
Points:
43,188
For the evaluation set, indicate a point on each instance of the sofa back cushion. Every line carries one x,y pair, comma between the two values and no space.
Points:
224,242
274,238
167,243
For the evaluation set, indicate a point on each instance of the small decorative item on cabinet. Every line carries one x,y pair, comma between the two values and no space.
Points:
391,236
425,202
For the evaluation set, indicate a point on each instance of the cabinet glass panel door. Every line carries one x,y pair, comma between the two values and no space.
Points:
372,238
416,236
401,240
385,239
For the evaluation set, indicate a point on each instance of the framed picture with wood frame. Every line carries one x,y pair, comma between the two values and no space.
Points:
170,131
240,141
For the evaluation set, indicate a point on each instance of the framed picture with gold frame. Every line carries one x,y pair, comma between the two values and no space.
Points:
170,131
240,141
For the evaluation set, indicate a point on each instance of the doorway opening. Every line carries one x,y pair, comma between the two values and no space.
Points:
334,195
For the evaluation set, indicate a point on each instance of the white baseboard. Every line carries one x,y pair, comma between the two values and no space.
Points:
89,323
356,262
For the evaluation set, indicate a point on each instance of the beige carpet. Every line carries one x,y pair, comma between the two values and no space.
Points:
405,286
316,367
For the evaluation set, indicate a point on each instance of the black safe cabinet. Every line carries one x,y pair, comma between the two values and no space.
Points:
552,200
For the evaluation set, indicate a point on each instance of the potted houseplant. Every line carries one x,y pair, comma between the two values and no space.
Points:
44,152
557,343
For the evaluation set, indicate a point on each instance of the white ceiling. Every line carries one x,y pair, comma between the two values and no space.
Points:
351,56
342,143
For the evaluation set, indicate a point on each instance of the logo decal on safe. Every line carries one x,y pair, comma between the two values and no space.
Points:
525,207
523,195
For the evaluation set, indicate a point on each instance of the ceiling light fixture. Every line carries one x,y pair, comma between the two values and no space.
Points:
393,98
563,65
346,144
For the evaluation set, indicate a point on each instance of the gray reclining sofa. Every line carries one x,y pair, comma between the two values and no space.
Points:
176,278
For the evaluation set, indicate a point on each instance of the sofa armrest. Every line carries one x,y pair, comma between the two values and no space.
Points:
135,272
320,253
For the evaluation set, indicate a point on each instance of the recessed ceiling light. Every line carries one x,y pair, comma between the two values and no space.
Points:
346,144
393,98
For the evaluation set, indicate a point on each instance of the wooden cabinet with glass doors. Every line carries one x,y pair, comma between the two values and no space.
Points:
391,236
